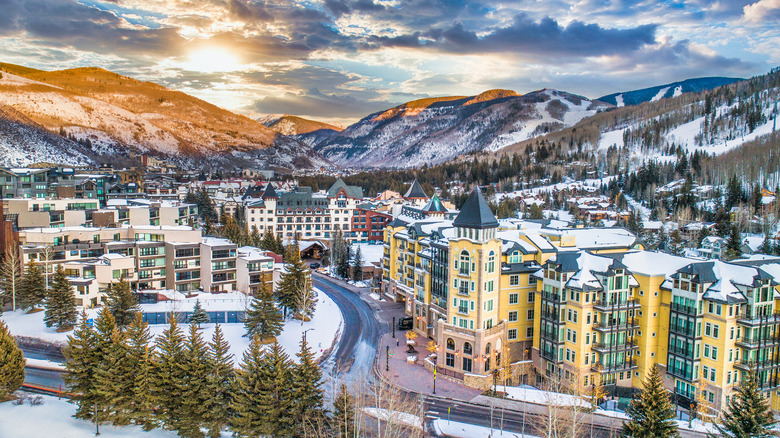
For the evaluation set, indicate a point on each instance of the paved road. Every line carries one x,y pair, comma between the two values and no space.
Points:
354,357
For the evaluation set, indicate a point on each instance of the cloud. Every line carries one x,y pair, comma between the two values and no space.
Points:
314,103
762,11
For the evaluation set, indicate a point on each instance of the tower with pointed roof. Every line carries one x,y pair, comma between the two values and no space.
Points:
416,194
473,332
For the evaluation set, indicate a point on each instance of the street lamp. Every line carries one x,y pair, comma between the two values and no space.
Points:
434,374
304,333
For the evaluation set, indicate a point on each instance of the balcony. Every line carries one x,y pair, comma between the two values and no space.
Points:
757,320
758,341
680,308
615,367
681,351
609,306
615,326
748,364
601,347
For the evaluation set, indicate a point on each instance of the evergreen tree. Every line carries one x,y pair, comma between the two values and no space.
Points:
276,393
194,396
262,318
60,303
255,239
292,281
199,316
747,414
122,303
651,412
169,376
105,344
249,417
357,268
11,363
139,355
220,384
112,393
269,242
307,392
81,365
10,276
766,246
342,264
733,245
343,422
634,223
32,290
701,235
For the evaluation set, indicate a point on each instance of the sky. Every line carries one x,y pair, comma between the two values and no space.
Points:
340,60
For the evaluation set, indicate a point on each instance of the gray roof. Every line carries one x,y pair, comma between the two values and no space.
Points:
270,192
475,213
351,191
434,205
415,191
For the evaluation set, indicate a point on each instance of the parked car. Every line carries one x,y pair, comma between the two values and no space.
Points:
314,265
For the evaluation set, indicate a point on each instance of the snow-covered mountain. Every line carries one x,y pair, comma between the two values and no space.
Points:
122,116
293,125
673,89
437,129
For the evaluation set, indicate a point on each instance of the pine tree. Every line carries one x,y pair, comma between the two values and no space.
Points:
195,391
139,354
81,365
220,384
766,246
249,418
276,393
255,239
292,281
307,390
105,344
747,413
262,318
733,245
32,290
11,276
342,266
122,303
11,363
60,303
199,316
269,242
357,267
168,376
651,412
112,392
343,422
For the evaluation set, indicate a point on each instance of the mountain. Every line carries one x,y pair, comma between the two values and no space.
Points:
293,125
673,89
430,131
121,116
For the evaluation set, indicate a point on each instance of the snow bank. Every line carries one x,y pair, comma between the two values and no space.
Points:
534,395
45,364
395,417
464,430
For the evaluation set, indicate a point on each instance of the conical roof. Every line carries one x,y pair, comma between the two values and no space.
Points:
475,213
270,192
434,205
415,191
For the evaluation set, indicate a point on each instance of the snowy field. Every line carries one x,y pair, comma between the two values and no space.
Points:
54,419
326,323
464,430
370,252
534,395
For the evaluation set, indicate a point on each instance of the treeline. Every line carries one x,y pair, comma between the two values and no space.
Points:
182,383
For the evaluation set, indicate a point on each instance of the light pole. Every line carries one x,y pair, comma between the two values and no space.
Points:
434,375
304,333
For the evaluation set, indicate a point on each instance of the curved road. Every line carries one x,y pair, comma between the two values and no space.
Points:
354,356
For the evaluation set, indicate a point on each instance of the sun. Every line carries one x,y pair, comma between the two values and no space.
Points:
212,59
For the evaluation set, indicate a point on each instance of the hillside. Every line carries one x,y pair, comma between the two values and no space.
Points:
118,114
673,89
434,130
293,125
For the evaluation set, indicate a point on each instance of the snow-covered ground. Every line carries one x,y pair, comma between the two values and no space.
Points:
325,324
464,430
54,418
534,395
370,252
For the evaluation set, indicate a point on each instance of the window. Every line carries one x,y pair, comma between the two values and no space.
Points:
513,316
467,349
531,297
491,264
450,344
467,364
514,298
450,360
530,315
514,280
708,327
511,334
529,332
714,353
531,280
465,260
707,350
715,331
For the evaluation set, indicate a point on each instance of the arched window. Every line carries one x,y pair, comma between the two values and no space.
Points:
464,262
467,348
450,344
487,357
491,264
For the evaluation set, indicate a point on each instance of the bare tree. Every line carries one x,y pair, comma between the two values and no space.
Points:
562,416
305,300
11,273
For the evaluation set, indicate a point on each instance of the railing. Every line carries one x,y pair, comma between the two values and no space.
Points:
615,305
617,326
614,367
621,346
681,308
773,318
687,351
758,341
748,364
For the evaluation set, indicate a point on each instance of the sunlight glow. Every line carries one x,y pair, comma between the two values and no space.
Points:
212,59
